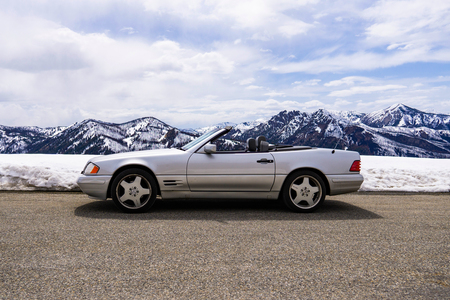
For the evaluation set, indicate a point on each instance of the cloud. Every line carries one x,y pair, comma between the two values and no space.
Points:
38,114
264,20
364,90
32,44
294,27
213,112
247,81
44,65
350,80
275,94
128,30
253,87
308,83
46,46
313,104
399,46
211,62
362,61
341,102
409,31
313,82
416,22
118,60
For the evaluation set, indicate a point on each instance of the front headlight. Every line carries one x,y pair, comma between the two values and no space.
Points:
91,169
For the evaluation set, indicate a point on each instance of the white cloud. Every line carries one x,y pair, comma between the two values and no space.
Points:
365,90
55,76
37,114
128,30
400,46
410,31
264,19
313,104
339,103
32,44
363,61
253,87
213,112
313,82
247,81
350,80
294,27
211,62
307,83
275,94
118,60
423,23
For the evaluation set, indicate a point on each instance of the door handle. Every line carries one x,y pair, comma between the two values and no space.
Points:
265,160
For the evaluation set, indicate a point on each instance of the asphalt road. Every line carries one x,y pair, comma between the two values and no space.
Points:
357,246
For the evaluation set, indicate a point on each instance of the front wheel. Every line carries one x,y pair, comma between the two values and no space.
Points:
134,191
304,191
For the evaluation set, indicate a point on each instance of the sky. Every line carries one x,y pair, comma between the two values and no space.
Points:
193,63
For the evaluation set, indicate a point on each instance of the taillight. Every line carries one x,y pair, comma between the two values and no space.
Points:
356,166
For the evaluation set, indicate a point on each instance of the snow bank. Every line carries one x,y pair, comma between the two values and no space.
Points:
381,173
41,171
404,174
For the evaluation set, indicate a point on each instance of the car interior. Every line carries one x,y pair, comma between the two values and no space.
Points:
253,145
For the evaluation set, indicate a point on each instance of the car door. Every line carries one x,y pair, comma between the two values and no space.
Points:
231,172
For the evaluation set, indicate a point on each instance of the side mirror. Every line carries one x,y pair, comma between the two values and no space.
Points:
210,148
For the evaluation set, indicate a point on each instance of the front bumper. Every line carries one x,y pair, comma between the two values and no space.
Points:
94,186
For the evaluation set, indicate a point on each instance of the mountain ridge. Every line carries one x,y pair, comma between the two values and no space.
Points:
398,130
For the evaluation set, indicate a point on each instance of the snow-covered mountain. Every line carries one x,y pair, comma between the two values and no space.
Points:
93,137
18,139
396,131
403,116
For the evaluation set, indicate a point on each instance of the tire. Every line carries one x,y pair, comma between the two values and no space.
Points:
304,191
134,191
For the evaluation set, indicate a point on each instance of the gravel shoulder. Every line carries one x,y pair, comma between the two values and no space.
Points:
357,246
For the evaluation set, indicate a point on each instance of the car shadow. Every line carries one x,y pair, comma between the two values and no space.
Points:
226,210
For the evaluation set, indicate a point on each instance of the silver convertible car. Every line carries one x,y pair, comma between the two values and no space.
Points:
298,175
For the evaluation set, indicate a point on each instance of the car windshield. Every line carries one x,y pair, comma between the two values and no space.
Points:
200,139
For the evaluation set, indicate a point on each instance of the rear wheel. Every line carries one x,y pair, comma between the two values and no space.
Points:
134,191
304,191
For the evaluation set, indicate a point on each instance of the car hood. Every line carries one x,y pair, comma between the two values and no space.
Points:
137,154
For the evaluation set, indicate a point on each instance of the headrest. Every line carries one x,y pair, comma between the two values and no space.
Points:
263,146
251,144
260,139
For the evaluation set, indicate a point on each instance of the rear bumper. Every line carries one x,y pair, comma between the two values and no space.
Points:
341,184
94,186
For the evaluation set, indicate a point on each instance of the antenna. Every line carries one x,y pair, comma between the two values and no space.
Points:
334,149
337,143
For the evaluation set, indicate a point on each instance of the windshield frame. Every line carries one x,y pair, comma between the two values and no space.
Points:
200,139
